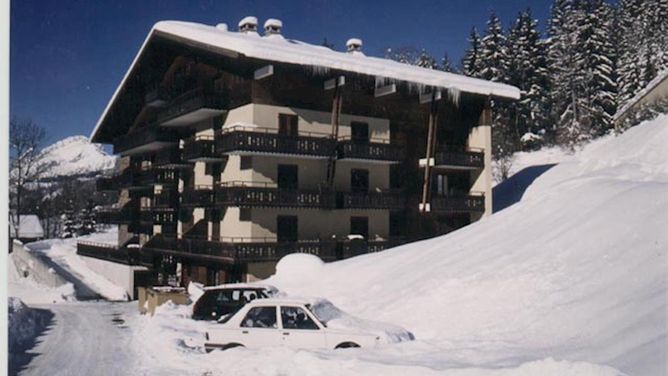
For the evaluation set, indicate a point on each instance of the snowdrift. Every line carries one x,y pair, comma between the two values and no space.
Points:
577,270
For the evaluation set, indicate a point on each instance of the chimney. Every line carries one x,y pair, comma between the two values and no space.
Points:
354,45
273,27
248,25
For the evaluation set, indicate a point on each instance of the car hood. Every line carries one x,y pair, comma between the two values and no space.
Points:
339,321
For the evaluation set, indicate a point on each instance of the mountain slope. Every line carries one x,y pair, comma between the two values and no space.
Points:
577,270
76,155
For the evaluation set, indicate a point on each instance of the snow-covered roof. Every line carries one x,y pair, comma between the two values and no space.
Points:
29,227
642,93
295,52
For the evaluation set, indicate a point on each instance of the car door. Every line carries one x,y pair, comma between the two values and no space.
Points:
259,327
300,329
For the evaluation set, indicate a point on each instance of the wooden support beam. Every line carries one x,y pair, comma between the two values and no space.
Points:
385,90
263,72
431,142
430,97
335,82
336,112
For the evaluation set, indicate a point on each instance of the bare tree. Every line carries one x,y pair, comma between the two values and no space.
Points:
25,163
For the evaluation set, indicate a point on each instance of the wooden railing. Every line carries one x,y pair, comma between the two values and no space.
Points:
459,156
463,203
351,248
199,148
192,101
169,158
253,194
108,252
393,200
265,140
373,149
199,196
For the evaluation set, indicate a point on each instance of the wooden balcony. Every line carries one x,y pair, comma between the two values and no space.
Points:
170,158
157,215
244,194
373,150
474,203
199,196
127,214
108,252
392,200
357,247
250,140
236,250
457,158
201,148
143,140
192,107
167,198
157,97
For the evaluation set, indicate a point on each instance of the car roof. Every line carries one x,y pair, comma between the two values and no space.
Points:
232,286
280,301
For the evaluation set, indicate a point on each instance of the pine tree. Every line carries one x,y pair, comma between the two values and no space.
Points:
527,70
425,60
471,61
446,64
493,54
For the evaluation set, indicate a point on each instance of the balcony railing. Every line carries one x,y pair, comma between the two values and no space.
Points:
464,203
459,157
157,97
108,252
170,158
144,139
167,198
264,140
393,200
241,249
246,194
199,196
200,148
127,214
356,247
193,106
157,216
373,149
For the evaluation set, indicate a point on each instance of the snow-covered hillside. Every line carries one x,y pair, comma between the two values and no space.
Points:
577,270
76,155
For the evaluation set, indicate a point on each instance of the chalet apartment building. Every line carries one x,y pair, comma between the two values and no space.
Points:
238,148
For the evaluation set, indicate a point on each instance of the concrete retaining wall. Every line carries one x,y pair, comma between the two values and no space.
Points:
120,274
30,264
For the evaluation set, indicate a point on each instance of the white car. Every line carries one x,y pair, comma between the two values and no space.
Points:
298,323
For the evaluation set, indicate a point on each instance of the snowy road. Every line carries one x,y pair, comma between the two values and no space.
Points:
91,338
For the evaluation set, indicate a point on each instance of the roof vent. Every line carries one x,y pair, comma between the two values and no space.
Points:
222,26
248,25
273,27
354,45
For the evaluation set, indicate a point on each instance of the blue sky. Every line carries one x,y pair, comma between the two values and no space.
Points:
68,56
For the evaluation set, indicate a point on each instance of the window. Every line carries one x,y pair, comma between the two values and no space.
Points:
359,226
359,132
296,318
288,125
288,176
245,162
441,188
244,214
260,317
359,181
287,228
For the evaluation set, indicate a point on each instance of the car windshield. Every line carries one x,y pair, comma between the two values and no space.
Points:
325,311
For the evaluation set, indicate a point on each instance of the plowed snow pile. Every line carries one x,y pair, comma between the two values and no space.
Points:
576,271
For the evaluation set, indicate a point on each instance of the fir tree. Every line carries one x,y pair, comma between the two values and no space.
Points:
494,53
471,60
446,64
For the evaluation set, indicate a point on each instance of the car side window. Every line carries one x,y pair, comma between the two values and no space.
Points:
260,317
296,318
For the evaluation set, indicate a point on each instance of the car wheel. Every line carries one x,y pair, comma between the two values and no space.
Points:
347,345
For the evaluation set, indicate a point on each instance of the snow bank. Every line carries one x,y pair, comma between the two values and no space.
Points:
63,252
32,292
575,271
24,325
